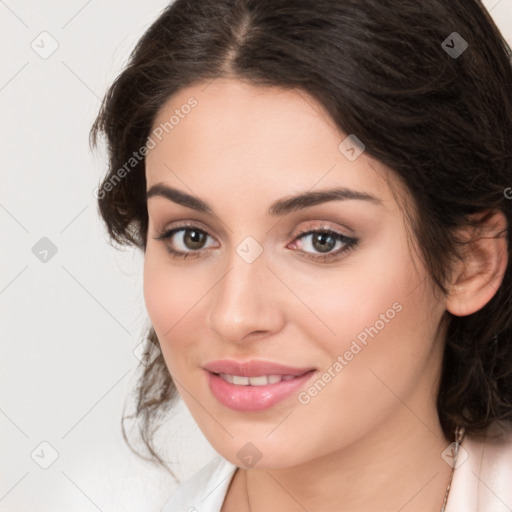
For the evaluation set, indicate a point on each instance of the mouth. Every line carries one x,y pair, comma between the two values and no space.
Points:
256,393
254,368
260,380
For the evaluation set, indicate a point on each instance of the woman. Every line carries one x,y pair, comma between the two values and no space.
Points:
321,190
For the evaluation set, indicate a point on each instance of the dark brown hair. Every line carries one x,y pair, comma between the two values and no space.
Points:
384,71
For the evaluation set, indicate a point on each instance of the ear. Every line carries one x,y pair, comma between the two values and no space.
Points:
478,275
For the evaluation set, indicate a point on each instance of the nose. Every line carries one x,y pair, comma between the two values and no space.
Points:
245,302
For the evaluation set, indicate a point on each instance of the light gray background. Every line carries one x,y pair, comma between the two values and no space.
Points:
69,325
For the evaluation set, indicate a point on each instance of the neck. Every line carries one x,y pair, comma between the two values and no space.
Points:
398,467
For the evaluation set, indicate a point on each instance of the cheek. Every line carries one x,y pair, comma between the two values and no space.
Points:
365,291
174,296
167,297
170,290
158,295
383,347
374,313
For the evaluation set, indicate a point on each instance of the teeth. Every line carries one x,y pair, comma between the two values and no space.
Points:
226,377
261,380
258,381
240,381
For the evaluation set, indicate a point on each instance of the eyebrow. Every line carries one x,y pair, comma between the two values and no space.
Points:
278,208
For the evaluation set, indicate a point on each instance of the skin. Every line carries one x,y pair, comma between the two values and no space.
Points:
371,439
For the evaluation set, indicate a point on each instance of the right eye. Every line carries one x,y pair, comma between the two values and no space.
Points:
184,241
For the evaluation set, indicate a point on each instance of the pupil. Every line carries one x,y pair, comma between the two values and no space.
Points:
324,242
194,239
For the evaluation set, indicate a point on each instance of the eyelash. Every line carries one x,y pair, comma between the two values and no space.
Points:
349,242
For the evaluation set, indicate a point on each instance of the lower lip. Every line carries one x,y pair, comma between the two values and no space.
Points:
254,398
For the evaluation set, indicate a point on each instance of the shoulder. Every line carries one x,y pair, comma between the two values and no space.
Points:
205,490
482,480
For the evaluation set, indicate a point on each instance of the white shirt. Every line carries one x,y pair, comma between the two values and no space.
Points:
482,481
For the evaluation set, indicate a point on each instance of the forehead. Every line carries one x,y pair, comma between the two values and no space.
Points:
262,138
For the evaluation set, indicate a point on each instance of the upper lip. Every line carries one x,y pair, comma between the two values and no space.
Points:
253,368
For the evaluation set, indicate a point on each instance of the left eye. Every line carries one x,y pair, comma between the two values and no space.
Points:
325,242
189,241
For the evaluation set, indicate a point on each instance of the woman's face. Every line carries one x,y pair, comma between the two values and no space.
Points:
348,304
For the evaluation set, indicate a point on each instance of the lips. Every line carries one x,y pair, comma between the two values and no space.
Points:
253,368
255,385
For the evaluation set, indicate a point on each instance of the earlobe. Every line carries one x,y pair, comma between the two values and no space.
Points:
478,275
